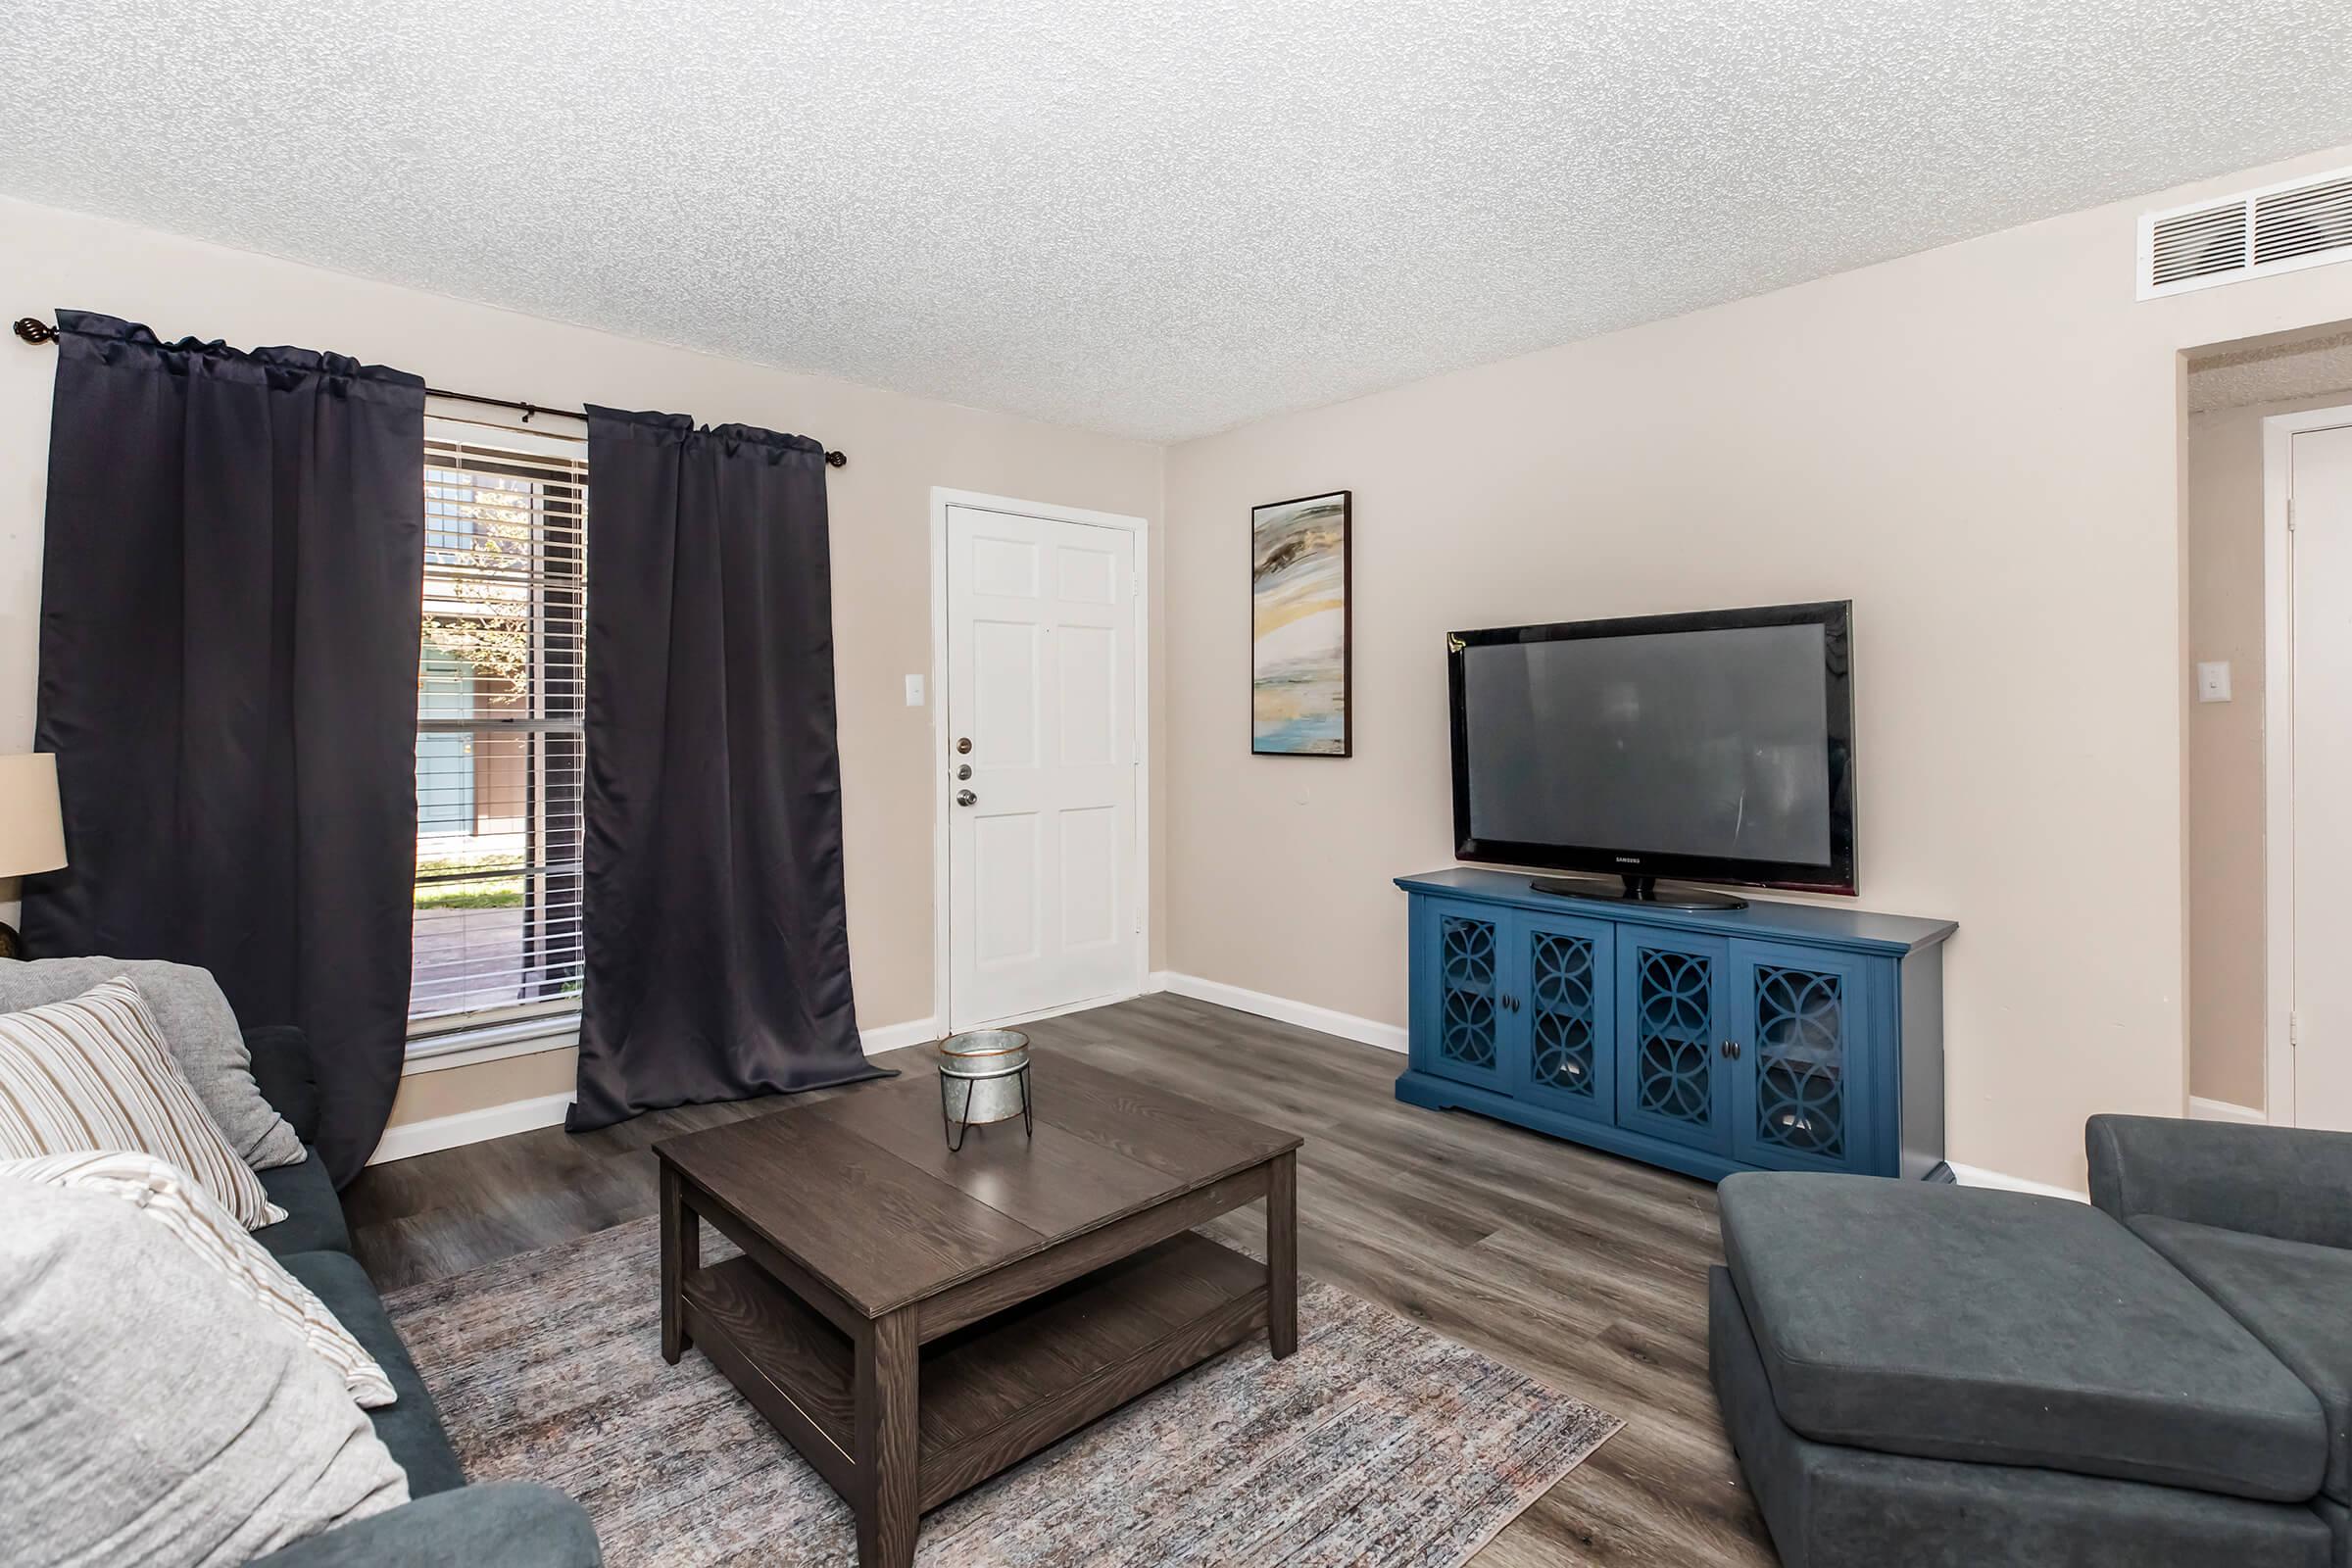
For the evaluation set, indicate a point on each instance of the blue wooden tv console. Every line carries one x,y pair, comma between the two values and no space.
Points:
1777,1037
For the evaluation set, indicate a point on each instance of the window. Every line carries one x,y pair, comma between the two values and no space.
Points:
500,699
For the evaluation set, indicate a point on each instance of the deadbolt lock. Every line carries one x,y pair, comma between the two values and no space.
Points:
963,743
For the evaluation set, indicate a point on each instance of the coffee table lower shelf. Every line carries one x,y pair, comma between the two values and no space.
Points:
995,1391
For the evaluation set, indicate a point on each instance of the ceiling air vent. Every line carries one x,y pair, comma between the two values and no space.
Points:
2278,228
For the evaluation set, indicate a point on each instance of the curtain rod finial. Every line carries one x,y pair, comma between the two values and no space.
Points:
837,460
32,330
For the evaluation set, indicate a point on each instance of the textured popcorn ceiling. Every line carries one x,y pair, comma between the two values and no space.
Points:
1151,218
2301,367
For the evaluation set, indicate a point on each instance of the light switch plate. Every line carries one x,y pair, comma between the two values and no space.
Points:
2213,681
915,691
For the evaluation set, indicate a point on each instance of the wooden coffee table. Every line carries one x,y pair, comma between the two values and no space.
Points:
914,1321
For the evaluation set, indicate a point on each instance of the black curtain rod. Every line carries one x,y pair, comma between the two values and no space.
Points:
33,330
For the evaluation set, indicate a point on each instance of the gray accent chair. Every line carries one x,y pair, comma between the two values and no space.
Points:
448,1524
1915,1373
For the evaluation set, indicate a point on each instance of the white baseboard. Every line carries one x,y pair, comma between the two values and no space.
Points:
2203,1110
1978,1176
1061,1009
1305,1014
410,1139
892,1036
436,1133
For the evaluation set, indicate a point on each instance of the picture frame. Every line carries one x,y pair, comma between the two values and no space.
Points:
1301,626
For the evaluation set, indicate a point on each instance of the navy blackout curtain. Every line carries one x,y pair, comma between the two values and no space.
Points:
717,937
231,589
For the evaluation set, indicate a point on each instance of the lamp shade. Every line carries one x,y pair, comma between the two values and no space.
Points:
32,833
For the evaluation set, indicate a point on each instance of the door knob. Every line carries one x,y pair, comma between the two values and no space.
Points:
965,798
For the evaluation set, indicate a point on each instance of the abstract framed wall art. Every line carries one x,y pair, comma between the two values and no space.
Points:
1299,627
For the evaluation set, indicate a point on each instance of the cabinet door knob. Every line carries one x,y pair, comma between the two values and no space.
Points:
1731,1049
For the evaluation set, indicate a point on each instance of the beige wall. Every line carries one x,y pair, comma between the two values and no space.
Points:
899,448
2226,866
1979,445
425,1096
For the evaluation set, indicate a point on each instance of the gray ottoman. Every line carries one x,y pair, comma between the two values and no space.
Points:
1915,1373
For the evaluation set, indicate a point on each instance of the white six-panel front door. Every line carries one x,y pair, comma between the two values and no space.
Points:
1042,683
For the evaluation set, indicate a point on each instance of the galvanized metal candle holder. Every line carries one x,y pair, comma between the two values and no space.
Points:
984,1078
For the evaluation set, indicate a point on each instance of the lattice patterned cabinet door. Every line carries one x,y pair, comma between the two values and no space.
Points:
1566,1059
1671,1040
1469,1034
1800,1101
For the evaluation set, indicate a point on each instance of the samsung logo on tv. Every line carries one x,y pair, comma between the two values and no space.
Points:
1629,859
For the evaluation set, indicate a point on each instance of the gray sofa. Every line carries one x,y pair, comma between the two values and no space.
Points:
448,1524
1923,1374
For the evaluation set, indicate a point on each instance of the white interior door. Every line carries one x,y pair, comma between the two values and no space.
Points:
2321,580
1042,909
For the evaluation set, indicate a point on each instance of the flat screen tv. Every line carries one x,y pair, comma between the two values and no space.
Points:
1713,748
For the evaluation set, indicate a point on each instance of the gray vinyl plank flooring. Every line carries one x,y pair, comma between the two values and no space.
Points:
1582,1269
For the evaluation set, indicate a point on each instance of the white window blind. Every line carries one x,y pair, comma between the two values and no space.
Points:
500,699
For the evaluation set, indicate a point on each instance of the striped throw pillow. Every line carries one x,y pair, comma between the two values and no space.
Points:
196,1219
92,1073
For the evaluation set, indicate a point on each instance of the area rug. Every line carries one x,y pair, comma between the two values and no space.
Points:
1379,1442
